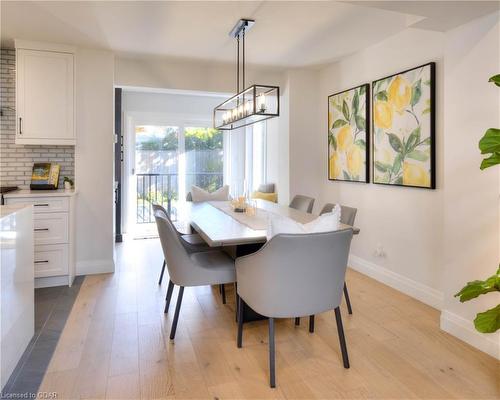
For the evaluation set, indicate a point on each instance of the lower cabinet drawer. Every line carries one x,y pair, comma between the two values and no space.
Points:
51,228
42,204
51,260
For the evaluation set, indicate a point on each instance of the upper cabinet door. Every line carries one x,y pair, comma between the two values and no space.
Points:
45,97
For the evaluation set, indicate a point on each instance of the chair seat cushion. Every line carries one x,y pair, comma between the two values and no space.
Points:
218,265
194,239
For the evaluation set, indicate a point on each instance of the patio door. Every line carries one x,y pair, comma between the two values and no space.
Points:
165,157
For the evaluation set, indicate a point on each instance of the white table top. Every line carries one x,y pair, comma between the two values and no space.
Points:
220,229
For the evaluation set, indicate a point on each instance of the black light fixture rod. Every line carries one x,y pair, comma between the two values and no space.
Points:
243,66
238,65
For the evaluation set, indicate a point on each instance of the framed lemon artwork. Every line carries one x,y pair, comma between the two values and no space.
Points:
404,128
348,135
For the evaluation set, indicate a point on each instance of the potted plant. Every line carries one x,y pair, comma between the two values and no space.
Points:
487,321
68,183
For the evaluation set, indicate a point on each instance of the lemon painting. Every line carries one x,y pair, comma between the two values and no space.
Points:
403,134
348,135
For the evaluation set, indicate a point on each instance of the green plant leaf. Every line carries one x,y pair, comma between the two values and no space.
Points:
492,160
360,143
427,82
426,111
355,102
332,141
488,321
418,155
360,123
476,288
362,90
490,142
398,180
345,110
416,92
338,123
426,141
495,79
346,176
413,139
382,96
382,167
395,142
396,166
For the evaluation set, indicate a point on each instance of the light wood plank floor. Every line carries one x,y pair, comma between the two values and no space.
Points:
115,345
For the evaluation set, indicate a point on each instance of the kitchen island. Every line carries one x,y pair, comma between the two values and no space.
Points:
16,285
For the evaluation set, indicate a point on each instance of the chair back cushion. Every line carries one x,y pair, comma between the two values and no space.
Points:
265,196
199,195
302,203
295,275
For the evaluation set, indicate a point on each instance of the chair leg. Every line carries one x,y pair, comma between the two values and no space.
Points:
161,273
177,311
239,341
297,321
170,289
343,345
272,365
223,293
311,323
347,301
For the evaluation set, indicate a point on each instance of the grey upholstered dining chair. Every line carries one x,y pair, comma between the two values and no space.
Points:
190,269
293,276
302,203
193,243
347,216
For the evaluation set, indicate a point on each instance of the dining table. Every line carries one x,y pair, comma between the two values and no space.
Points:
238,233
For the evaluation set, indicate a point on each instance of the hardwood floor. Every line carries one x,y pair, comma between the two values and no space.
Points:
115,345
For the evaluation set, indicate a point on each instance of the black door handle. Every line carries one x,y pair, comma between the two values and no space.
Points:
20,126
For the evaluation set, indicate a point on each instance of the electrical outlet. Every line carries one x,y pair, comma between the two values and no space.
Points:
379,251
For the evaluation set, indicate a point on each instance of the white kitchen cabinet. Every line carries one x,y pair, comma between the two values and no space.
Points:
45,94
53,231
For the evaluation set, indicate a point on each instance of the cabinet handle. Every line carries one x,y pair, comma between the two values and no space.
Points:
41,261
41,205
41,229
20,126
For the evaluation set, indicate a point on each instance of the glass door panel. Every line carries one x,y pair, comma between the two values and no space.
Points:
156,170
204,158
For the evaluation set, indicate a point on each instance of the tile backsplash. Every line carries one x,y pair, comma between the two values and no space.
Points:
16,161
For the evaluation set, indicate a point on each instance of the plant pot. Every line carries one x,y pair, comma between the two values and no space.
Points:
67,186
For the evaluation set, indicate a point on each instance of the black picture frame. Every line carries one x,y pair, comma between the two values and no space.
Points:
367,130
432,124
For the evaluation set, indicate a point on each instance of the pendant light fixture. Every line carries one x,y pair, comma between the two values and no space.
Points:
255,103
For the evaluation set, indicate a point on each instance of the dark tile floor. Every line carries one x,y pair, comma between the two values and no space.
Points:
52,308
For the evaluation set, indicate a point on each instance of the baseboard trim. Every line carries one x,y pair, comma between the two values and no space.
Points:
419,291
464,330
50,281
95,267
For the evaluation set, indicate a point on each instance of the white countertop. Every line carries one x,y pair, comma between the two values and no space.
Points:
40,193
10,209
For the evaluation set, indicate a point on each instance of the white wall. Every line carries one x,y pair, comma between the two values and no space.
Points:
471,196
406,222
94,161
435,240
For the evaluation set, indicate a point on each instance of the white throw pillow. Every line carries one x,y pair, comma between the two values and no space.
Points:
200,194
277,224
324,223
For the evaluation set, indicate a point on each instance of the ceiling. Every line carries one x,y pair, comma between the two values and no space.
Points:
286,34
